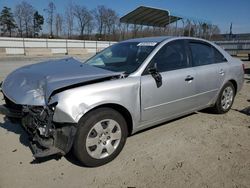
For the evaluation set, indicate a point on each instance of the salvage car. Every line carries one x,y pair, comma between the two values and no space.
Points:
92,107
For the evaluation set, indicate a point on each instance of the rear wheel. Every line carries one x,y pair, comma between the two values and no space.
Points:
100,137
225,99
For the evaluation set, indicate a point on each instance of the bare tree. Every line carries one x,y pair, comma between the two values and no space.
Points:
90,27
83,17
99,14
110,20
204,27
122,30
58,24
200,28
50,19
69,20
106,20
24,13
19,19
213,30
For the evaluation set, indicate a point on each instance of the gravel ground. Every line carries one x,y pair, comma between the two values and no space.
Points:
199,150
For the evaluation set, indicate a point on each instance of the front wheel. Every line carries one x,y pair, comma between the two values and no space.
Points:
225,99
100,137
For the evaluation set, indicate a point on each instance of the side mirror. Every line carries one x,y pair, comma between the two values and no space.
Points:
156,75
152,70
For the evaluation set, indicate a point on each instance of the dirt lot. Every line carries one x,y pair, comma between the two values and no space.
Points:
200,150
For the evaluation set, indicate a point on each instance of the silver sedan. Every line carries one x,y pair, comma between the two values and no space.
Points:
92,107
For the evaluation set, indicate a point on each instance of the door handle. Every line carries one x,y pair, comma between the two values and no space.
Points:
189,78
222,72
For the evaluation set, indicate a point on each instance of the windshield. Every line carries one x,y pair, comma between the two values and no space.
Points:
123,57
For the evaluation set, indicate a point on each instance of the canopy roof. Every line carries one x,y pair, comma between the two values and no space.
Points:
149,16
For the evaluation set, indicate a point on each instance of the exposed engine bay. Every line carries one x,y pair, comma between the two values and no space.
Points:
46,137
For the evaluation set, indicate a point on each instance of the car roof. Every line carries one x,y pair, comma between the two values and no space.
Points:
150,39
163,38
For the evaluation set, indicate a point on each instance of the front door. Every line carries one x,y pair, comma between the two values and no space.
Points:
176,93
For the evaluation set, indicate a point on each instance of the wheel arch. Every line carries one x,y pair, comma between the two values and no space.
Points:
234,84
119,108
218,93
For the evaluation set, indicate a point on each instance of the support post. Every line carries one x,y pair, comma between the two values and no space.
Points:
169,24
176,27
24,50
67,52
96,46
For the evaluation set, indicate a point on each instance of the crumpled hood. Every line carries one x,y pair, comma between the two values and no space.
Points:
33,84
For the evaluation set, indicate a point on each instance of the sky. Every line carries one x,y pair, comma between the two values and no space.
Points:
218,12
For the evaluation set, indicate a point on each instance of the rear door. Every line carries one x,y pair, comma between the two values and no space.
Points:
175,95
210,68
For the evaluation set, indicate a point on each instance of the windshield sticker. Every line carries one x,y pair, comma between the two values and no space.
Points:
147,44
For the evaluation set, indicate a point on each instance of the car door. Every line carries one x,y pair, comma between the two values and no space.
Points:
175,93
210,68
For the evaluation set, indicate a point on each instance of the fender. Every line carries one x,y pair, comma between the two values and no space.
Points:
72,104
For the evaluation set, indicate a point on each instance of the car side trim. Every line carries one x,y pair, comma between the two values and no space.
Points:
177,100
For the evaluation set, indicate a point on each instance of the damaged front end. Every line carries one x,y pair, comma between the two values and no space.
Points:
28,90
27,93
46,137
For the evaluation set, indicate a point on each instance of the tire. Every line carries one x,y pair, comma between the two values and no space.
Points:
100,137
221,107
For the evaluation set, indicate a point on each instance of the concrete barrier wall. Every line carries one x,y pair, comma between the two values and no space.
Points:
28,46
32,46
14,51
235,47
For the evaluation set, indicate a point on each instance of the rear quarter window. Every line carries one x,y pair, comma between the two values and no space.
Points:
218,57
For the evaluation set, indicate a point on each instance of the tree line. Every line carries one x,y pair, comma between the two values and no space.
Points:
78,22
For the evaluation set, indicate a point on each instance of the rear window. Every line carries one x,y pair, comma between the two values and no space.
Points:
202,54
205,54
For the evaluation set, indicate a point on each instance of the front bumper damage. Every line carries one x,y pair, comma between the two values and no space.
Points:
46,137
10,112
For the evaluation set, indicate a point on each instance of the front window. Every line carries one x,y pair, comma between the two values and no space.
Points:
123,57
172,56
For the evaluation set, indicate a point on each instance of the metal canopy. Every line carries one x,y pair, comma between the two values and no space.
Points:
149,16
